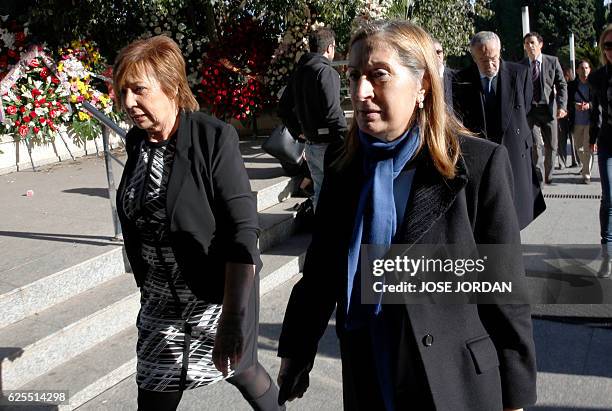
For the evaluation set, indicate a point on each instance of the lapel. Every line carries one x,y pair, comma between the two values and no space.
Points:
479,99
180,165
431,196
506,82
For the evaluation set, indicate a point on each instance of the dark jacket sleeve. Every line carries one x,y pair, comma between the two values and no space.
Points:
596,108
330,100
234,200
313,297
560,86
509,326
286,110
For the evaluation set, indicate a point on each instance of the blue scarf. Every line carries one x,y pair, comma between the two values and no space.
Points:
376,218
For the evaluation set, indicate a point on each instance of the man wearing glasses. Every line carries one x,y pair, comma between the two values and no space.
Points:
492,98
548,104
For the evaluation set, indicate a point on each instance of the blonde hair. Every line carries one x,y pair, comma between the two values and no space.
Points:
602,54
160,58
438,127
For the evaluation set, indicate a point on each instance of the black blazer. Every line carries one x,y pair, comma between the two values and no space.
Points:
211,210
482,356
448,79
514,90
601,124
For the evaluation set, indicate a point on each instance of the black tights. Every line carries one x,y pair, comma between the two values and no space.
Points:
254,384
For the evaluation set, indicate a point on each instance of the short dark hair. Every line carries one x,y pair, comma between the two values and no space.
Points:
320,39
534,34
583,61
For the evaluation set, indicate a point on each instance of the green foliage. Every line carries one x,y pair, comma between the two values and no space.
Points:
508,26
556,19
484,16
449,21
588,52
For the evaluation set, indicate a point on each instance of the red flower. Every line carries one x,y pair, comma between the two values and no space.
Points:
12,110
55,80
22,109
34,63
26,119
23,130
20,36
36,92
36,103
42,120
33,114
36,129
53,113
12,53
44,72
17,123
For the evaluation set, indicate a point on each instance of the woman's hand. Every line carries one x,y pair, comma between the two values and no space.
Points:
229,342
293,379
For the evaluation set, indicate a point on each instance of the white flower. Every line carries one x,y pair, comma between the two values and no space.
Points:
40,111
182,27
179,36
157,30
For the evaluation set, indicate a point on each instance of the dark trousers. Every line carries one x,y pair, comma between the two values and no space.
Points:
544,140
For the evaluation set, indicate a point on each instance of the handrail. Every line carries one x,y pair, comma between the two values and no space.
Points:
107,125
103,118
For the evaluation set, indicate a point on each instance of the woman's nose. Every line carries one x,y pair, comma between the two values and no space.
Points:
128,99
363,88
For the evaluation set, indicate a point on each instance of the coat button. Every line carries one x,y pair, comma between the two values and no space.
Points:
428,340
518,131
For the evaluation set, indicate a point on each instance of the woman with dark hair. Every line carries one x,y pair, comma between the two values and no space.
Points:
190,228
411,175
601,142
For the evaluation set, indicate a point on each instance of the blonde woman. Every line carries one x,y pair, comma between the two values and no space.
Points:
408,173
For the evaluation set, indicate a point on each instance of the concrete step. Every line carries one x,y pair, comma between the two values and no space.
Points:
31,288
93,371
277,223
267,177
48,338
62,355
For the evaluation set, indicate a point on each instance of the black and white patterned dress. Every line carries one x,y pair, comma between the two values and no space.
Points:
160,325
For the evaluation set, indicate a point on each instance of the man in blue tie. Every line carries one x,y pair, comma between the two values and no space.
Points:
492,98
549,102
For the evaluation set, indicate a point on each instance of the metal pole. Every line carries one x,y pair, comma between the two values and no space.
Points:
572,56
112,191
525,19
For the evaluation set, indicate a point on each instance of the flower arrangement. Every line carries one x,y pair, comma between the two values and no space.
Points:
232,83
13,39
36,105
170,18
291,47
86,52
78,61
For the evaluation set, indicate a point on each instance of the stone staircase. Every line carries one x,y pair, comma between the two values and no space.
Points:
73,327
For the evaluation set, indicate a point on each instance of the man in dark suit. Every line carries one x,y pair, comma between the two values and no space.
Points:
446,73
492,98
548,104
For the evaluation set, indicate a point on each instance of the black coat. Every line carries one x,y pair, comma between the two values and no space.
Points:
212,211
601,122
476,356
311,101
510,130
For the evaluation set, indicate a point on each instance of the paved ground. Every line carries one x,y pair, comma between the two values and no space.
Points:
69,213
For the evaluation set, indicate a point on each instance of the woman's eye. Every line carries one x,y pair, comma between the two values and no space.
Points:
380,75
139,89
